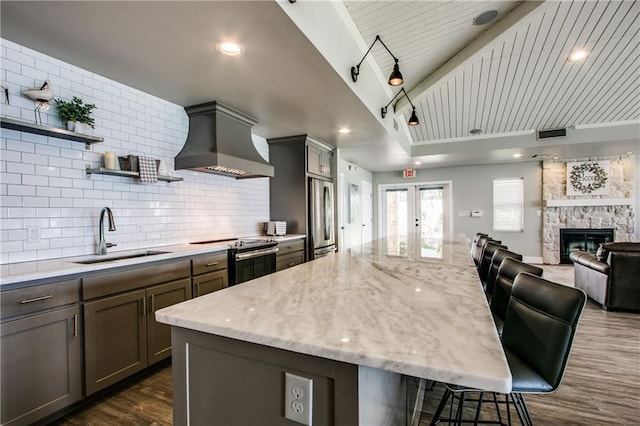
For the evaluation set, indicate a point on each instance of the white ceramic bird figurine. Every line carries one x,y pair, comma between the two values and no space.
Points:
4,86
43,94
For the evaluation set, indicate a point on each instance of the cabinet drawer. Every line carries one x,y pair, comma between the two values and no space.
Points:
287,247
26,300
208,283
289,260
131,279
210,263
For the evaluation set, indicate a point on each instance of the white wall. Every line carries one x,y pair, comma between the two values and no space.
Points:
349,234
43,185
472,189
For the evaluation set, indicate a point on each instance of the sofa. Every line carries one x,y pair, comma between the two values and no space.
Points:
611,277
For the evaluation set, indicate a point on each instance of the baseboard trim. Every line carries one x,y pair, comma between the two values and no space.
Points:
532,259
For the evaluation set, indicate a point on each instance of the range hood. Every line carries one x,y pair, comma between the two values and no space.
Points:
219,142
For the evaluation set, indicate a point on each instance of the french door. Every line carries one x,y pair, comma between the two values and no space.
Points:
421,208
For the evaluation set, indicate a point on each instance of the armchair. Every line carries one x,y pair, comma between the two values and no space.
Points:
611,279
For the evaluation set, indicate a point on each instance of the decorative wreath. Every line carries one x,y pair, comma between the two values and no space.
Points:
600,177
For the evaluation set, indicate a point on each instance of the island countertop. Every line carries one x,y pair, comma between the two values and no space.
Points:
381,305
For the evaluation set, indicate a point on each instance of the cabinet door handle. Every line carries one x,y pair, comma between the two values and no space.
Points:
211,264
75,325
36,299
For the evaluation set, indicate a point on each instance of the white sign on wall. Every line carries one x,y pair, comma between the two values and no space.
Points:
588,178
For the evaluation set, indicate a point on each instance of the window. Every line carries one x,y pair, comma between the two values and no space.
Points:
508,205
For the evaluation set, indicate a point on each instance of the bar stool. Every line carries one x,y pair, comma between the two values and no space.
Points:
475,242
496,261
507,273
539,328
487,255
481,244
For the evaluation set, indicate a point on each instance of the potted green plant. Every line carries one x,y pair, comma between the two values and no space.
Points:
76,114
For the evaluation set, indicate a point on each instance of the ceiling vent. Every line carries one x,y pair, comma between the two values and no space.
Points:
552,133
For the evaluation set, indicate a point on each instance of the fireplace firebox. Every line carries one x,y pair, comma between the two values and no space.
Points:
582,239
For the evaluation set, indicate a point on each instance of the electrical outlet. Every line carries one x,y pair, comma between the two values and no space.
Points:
33,234
139,229
298,397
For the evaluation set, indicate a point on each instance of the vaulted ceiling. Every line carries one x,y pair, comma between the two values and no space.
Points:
509,77
513,75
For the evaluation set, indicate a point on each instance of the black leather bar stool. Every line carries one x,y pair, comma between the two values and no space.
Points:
475,242
496,261
482,242
507,273
487,255
539,328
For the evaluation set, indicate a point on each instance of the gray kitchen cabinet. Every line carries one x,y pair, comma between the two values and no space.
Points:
296,159
120,332
115,339
40,351
210,273
159,335
319,160
290,253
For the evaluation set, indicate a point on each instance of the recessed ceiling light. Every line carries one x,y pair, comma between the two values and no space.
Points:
417,163
344,130
485,17
229,48
517,155
578,55
475,131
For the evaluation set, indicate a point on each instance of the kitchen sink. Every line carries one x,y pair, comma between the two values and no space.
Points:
125,256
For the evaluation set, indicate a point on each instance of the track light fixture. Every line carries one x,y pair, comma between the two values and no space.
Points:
395,79
413,120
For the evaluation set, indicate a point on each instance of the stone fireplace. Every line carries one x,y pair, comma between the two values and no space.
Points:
585,212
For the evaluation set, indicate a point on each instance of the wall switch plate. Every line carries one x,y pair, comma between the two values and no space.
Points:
298,398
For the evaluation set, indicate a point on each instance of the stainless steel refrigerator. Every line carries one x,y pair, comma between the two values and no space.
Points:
321,218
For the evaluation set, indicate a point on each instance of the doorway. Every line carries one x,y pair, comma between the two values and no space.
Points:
423,208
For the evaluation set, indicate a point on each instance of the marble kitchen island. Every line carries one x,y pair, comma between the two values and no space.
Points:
357,323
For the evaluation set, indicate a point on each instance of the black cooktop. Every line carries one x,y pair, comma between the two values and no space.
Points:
214,241
242,244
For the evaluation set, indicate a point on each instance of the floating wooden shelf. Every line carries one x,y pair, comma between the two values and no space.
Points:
124,173
54,132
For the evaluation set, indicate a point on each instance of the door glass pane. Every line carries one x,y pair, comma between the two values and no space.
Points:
431,221
397,205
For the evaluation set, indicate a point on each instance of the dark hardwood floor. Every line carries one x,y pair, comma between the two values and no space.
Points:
145,402
601,385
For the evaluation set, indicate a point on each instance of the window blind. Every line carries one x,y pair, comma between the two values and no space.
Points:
508,205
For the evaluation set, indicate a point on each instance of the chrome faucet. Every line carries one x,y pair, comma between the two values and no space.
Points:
102,245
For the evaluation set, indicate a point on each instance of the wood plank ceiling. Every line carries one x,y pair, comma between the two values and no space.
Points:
521,80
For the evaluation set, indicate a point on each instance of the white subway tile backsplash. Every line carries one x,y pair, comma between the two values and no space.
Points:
21,190
35,201
44,182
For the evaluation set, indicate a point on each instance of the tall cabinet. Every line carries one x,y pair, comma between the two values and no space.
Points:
295,160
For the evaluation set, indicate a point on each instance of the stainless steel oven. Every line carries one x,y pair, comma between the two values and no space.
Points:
249,259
